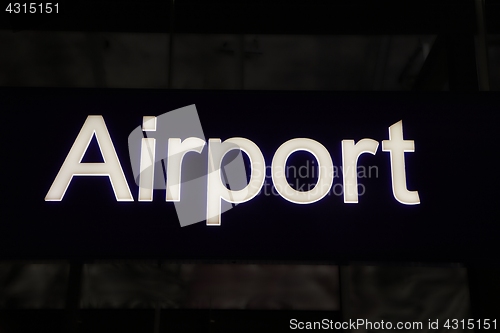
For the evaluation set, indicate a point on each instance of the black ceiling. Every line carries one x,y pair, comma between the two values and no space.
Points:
262,17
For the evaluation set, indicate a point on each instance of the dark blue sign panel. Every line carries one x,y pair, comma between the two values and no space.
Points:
212,175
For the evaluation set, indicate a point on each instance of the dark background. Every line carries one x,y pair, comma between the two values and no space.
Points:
452,168
249,52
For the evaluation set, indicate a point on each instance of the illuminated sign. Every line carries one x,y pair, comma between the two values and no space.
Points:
216,188
311,177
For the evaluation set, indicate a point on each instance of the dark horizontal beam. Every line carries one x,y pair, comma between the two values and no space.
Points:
262,17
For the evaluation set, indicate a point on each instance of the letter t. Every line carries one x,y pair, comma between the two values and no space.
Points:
397,147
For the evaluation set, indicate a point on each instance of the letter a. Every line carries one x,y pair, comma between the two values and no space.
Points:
72,165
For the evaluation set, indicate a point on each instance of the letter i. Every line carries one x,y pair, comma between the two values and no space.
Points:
147,166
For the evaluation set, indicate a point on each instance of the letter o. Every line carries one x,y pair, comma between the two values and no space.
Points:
325,171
